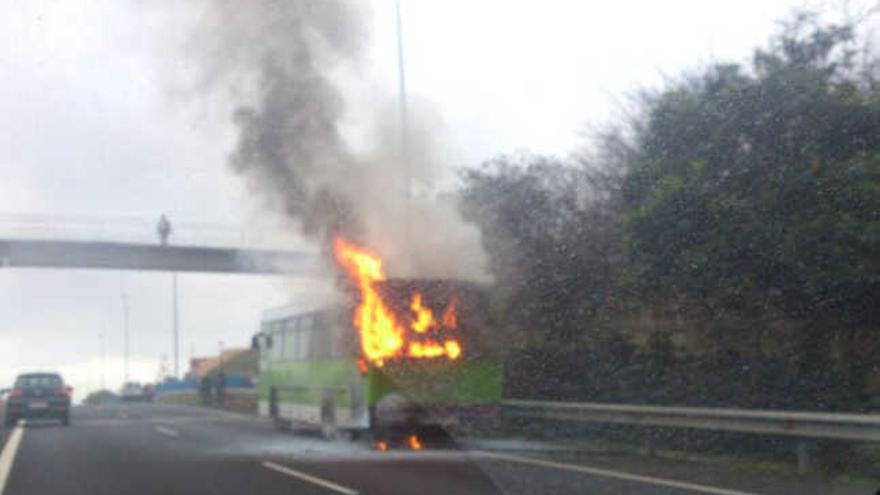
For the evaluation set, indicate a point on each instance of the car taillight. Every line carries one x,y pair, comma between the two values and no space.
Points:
62,392
16,392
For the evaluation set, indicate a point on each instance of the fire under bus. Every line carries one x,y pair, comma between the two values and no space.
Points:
407,354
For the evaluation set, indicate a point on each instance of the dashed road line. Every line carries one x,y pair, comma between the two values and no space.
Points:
309,478
7,457
620,475
168,432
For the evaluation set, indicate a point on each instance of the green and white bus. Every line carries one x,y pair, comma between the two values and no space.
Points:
312,371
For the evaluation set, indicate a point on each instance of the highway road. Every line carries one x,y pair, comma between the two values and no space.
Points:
151,448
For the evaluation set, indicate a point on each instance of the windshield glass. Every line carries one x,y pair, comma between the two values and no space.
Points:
410,246
39,381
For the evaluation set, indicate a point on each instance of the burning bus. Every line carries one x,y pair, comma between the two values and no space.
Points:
406,354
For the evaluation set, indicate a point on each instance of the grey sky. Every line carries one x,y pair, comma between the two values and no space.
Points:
99,119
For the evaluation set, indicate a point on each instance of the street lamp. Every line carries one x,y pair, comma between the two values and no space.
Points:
174,323
404,152
125,336
103,354
163,228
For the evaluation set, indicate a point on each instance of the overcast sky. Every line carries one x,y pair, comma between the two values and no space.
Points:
101,130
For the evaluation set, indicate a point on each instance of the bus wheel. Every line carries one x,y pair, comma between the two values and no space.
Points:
328,420
281,424
346,435
329,432
273,403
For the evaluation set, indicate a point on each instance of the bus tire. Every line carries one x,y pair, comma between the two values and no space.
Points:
273,403
328,419
282,424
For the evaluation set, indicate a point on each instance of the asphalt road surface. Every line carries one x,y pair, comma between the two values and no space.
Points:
149,449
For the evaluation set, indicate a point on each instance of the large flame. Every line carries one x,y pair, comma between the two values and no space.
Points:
450,315
382,334
424,319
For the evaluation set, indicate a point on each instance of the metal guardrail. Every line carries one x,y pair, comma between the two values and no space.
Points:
865,427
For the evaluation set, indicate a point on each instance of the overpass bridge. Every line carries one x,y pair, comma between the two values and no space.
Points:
129,243
129,256
39,241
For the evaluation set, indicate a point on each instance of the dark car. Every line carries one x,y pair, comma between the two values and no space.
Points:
38,396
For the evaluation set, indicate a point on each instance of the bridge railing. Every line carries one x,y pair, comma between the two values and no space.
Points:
143,230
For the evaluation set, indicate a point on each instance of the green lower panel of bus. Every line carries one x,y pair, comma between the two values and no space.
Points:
437,383
308,382
425,382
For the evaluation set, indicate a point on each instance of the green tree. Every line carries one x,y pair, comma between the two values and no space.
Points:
743,201
554,241
755,192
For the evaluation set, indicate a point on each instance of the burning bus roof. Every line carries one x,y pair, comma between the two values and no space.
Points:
396,318
438,287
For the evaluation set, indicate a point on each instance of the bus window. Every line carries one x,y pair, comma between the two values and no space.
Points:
344,339
264,341
305,337
319,346
291,331
277,336
306,327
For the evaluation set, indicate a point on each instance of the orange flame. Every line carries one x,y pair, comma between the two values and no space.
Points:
382,335
362,366
427,349
424,317
453,349
414,442
450,316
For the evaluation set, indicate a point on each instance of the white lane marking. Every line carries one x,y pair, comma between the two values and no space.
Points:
168,432
311,479
7,457
608,473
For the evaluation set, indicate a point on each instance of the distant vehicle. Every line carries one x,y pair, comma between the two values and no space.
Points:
132,392
101,397
313,370
149,392
38,396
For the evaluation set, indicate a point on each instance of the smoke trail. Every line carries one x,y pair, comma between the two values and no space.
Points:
292,57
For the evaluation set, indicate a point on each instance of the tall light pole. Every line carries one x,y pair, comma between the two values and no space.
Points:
401,81
125,337
401,72
163,228
103,358
174,324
